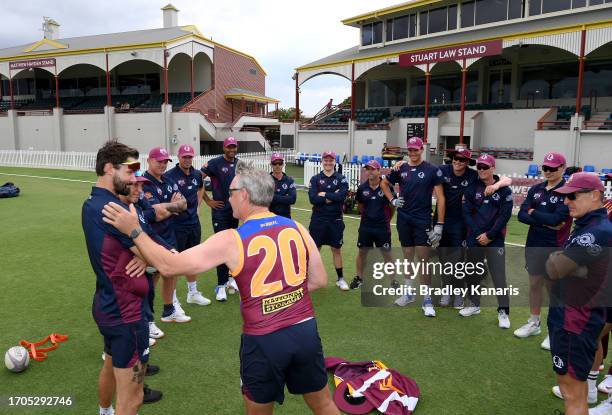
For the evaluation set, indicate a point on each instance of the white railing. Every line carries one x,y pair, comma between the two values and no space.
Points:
351,171
72,160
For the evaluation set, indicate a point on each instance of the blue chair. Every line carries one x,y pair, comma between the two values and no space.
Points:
606,171
337,158
533,170
380,161
364,159
371,158
355,160
589,168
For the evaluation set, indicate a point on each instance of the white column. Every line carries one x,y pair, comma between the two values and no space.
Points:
58,129
575,127
13,130
109,115
166,139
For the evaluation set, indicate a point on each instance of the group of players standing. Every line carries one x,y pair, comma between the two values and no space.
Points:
472,210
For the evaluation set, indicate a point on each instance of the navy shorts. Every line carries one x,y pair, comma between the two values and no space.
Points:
188,237
412,233
572,353
453,235
221,223
370,236
292,356
535,259
126,343
329,232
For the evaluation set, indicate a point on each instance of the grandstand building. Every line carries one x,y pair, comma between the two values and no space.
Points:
159,87
515,78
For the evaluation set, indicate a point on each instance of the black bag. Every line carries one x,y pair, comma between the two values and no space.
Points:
9,190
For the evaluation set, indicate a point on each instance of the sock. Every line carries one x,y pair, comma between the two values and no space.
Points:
535,318
192,286
339,272
168,309
592,380
107,411
174,299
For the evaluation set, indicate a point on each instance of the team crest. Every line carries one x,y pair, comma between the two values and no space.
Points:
159,191
500,251
586,239
321,182
550,156
366,193
495,196
558,362
195,182
439,173
421,175
169,188
335,182
175,187
464,183
554,199
285,186
537,196
380,193
224,169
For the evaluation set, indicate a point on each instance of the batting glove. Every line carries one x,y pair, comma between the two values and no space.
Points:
398,202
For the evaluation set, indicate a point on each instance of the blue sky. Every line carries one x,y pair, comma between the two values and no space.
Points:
280,34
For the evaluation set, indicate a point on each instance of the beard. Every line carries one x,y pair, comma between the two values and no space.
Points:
121,188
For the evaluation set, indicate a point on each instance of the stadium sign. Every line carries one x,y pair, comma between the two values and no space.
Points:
453,53
33,63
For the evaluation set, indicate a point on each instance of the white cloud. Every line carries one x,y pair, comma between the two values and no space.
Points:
281,35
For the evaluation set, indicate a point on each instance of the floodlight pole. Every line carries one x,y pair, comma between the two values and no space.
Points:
463,85
426,125
580,72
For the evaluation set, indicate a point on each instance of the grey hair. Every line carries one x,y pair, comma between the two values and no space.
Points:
258,183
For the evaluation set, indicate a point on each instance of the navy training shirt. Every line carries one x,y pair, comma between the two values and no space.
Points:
221,173
454,188
161,192
376,208
416,185
588,245
188,185
549,209
335,188
118,298
488,214
285,195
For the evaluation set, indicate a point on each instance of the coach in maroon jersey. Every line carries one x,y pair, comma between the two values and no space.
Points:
276,264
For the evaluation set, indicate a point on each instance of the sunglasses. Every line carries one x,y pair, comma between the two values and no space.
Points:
460,159
572,196
132,165
550,169
280,163
482,167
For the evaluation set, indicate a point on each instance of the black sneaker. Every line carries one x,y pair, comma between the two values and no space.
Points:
356,283
152,370
150,395
395,284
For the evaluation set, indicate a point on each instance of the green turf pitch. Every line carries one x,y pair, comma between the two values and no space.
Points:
463,366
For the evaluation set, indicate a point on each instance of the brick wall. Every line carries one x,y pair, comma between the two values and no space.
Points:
231,70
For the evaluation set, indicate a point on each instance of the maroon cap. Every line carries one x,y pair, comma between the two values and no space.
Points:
581,181
159,154
373,164
415,142
277,157
487,159
328,154
553,159
230,141
350,405
186,150
461,151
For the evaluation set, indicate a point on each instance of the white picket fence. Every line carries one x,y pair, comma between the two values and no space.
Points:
72,160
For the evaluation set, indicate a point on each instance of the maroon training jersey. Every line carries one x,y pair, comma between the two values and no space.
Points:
271,275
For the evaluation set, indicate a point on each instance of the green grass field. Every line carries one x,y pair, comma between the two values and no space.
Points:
463,366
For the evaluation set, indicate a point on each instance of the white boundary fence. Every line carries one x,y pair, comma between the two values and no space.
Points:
87,161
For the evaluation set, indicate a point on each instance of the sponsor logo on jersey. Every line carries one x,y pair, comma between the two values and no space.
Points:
280,302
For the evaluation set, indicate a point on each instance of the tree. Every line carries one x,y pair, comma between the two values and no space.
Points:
286,114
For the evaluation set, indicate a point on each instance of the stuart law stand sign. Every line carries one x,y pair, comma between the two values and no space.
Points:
452,53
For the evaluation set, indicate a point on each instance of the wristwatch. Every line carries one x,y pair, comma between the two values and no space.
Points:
135,232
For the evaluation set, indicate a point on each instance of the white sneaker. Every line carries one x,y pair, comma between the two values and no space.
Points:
469,311
404,300
532,328
103,356
152,342
503,320
197,298
546,343
458,302
232,287
445,300
221,294
154,331
176,318
178,308
591,399
604,408
342,284
428,309
606,385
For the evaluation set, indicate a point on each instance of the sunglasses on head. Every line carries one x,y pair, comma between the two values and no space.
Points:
572,196
132,165
550,169
480,166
